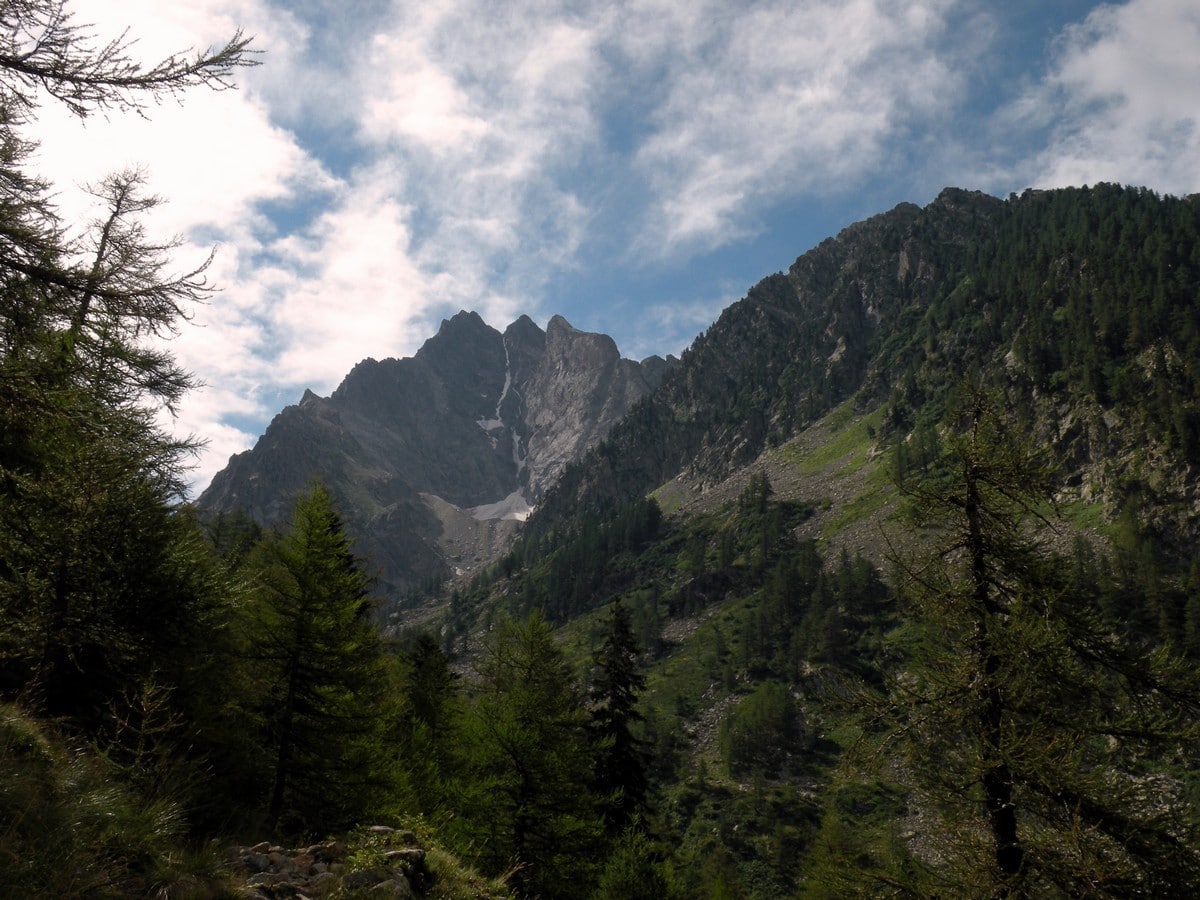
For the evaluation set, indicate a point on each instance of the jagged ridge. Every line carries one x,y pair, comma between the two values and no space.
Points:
449,447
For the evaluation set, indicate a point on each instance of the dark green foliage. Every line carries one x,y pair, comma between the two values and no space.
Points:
806,613
71,827
113,613
87,477
761,732
632,871
322,664
426,731
1031,736
429,685
528,765
734,841
617,683
565,574
857,852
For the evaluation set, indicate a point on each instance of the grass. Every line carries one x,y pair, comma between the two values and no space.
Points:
1087,516
70,827
850,440
452,880
671,495
880,493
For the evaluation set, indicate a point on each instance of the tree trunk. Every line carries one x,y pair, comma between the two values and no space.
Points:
997,779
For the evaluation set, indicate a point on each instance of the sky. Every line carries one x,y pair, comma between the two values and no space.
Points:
633,165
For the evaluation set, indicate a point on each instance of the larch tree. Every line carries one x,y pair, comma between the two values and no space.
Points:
89,593
1036,746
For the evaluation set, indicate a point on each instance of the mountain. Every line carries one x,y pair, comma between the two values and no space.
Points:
435,459
829,686
749,516
1079,304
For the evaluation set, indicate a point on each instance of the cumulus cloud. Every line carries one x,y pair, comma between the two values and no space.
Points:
1121,100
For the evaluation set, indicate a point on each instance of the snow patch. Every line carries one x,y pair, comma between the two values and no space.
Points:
514,507
495,421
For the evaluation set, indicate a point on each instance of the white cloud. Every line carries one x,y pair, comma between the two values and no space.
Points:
347,287
417,101
1122,100
472,157
485,111
781,98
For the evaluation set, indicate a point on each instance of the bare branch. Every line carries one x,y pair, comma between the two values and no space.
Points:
42,48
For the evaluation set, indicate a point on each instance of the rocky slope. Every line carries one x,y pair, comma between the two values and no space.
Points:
434,459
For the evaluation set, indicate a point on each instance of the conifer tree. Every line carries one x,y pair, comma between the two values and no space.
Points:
427,726
528,805
91,590
1032,739
617,684
325,706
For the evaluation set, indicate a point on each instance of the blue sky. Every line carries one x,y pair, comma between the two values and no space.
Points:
634,165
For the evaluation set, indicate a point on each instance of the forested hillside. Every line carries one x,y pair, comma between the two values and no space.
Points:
908,545
1080,304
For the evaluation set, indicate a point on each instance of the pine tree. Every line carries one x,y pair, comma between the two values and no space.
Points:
528,765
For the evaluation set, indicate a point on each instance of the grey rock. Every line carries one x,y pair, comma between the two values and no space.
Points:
256,862
323,883
364,878
429,457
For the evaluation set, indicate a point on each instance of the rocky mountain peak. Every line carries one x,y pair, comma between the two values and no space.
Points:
434,458
459,326
565,344
524,332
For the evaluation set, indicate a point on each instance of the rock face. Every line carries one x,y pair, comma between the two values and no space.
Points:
578,391
436,458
